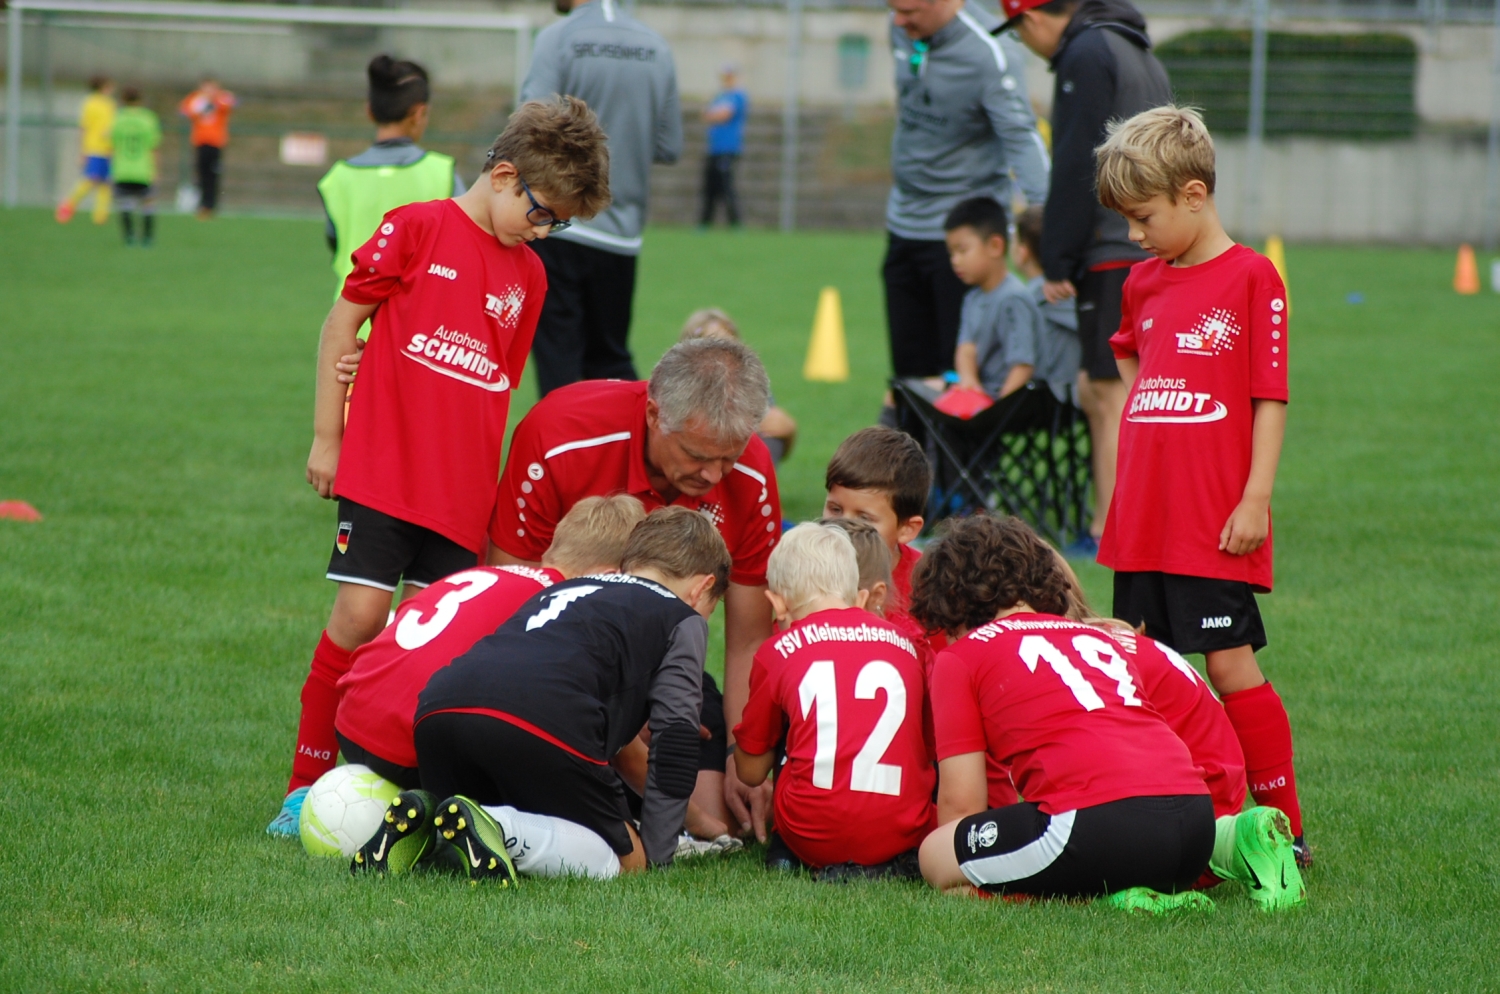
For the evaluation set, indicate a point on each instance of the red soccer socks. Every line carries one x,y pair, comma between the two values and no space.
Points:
1260,721
317,746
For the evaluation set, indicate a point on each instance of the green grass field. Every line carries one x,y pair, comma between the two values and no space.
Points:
155,631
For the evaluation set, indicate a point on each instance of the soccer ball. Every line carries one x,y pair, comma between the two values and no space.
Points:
343,809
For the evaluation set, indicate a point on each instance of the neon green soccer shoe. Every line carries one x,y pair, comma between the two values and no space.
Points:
1144,900
478,838
1265,860
403,838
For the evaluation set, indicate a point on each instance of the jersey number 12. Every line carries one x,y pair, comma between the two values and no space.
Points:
819,690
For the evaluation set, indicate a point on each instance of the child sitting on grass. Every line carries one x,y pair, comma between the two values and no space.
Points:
854,797
777,429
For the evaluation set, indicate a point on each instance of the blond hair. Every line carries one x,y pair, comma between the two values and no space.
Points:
813,561
559,149
593,533
678,543
870,550
708,322
1155,152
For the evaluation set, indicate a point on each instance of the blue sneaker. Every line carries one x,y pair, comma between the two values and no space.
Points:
287,823
1084,546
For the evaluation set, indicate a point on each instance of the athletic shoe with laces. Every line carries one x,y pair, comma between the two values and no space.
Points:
1265,861
1151,902
1304,853
478,838
403,838
691,847
287,823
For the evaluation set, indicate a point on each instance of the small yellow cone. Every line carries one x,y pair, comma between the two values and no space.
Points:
1466,272
827,355
1276,252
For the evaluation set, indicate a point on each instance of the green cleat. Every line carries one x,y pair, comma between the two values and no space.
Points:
1265,860
478,838
403,838
1151,902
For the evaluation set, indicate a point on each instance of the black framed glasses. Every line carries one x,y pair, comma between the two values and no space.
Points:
539,215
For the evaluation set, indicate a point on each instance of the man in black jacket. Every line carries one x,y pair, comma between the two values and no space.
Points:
1101,56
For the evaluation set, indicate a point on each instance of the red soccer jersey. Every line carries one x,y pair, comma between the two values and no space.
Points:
900,599
447,345
588,439
378,696
1211,338
1190,709
857,783
1057,702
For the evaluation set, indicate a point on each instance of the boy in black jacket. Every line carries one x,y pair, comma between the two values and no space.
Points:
1101,55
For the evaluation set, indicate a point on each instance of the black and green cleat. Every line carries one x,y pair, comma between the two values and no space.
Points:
404,837
1266,860
478,838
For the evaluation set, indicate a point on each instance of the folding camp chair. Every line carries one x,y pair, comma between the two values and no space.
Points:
1027,455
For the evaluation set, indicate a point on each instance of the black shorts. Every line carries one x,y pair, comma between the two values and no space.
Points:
1099,299
374,549
1159,842
1191,613
494,762
405,777
713,752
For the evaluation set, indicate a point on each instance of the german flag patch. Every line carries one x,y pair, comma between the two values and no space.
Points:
346,528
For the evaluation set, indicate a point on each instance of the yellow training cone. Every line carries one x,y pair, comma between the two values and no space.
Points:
827,355
1276,252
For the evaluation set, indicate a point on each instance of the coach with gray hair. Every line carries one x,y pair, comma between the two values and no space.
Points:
687,437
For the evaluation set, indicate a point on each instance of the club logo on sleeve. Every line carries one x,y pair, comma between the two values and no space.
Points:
505,306
346,528
983,835
1212,334
1165,400
460,356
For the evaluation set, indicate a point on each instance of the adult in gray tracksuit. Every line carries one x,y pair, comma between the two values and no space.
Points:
964,128
1101,56
623,70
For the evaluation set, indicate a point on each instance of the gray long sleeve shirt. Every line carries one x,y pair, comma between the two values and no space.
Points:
964,125
623,70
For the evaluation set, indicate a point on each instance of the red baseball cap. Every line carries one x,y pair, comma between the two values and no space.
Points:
1015,8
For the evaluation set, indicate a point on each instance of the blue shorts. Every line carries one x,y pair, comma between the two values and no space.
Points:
96,168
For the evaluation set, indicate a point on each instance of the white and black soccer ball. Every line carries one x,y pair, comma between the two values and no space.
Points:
343,809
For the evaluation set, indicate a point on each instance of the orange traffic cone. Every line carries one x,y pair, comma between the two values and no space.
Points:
1466,273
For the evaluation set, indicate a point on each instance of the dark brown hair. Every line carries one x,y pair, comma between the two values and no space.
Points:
1029,231
130,96
678,542
559,149
885,460
395,88
981,566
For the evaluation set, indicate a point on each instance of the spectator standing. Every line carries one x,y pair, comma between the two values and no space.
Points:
623,70
964,128
1101,55
725,116
208,107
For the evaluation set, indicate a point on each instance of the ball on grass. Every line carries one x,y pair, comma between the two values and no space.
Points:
343,809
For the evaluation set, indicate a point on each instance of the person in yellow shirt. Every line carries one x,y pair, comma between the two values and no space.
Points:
97,121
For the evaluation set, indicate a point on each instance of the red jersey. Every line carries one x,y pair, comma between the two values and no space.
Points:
1057,702
589,439
847,689
447,344
1190,709
900,598
1211,339
378,696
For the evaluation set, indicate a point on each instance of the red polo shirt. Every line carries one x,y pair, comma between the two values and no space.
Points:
589,439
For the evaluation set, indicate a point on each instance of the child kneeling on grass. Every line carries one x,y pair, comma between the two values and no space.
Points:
455,293
1114,804
853,797
518,734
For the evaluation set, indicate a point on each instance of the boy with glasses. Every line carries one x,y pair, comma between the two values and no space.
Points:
453,292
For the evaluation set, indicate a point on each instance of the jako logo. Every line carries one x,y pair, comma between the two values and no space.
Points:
1222,621
314,753
443,271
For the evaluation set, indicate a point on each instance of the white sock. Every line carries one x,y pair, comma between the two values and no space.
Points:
544,846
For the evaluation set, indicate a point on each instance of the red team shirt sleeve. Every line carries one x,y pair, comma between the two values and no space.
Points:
760,522
382,263
1268,334
527,503
955,709
762,722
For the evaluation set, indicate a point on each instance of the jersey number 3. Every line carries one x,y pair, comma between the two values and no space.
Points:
819,690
